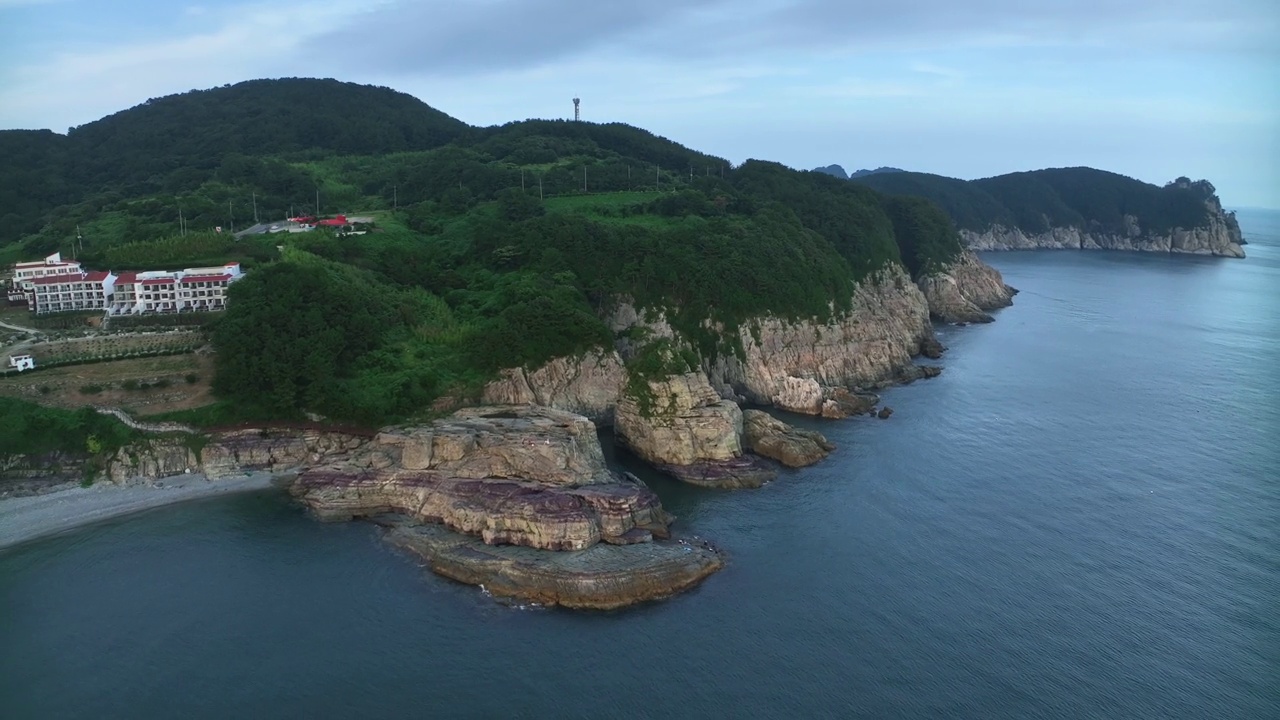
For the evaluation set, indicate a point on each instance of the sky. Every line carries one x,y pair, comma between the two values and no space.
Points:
1154,89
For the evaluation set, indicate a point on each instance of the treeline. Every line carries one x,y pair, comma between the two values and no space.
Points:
1039,200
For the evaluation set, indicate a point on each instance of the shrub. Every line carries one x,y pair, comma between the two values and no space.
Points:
90,389
191,378
130,384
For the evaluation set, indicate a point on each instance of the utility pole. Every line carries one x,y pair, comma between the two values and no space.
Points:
255,208
231,216
540,187
182,222
657,178
317,203
521,179
395,198
584,178
628,177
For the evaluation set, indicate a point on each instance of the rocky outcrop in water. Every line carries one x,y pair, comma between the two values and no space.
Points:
493,496
965,290
685,429
1220,235
603,577
768,436
508,475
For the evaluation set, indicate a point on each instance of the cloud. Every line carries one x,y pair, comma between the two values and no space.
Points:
445,37
442,37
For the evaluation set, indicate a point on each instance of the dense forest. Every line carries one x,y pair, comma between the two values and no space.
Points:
1035,201
492,247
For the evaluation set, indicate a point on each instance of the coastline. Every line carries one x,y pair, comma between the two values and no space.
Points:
33,517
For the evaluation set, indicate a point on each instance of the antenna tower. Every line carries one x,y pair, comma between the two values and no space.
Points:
577,112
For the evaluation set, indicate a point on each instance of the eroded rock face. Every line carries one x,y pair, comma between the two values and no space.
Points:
794,365
518,475
686,422
686,430
965,291
766,435
589,385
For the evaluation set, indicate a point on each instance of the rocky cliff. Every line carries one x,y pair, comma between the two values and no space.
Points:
965,290
685,429
798,365
589,385
1219,236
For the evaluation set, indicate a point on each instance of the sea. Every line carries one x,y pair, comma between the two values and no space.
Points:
1080,518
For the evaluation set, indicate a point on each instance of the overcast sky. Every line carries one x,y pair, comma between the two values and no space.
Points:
1149,88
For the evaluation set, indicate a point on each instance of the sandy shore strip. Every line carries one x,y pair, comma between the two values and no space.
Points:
36,516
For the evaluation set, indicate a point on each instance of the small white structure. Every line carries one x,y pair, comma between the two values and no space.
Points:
22,362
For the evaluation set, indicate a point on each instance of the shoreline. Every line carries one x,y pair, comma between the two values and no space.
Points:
34,517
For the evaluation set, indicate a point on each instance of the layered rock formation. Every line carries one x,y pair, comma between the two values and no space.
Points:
492,495
509,475
603,577
589,385
965,290
685,429
1219,236
230,453
768,436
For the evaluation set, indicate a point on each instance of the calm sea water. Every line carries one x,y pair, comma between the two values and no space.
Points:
1079,519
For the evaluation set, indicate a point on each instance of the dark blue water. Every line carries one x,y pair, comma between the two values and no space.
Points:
1079,519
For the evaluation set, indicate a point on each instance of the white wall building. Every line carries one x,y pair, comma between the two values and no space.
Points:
67,293
190,290
22,362
129,293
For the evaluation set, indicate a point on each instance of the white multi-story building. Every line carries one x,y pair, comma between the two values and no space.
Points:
131,293
24,273
67,293
193,289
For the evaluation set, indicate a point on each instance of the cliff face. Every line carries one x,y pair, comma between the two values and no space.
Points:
965,290
589,385
1220,237
797,365
686,430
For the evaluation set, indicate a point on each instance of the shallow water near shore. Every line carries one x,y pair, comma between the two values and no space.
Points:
1079,518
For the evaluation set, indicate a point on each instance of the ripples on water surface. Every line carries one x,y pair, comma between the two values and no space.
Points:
1078,519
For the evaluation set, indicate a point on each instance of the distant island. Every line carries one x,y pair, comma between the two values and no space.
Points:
507,289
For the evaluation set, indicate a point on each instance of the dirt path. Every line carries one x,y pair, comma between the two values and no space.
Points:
19,328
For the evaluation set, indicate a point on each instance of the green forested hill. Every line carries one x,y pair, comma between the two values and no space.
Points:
494,247
1035,201
175,145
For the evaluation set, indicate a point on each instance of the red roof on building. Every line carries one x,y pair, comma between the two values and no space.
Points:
204,278
55,279
127,278
97,275
157,281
